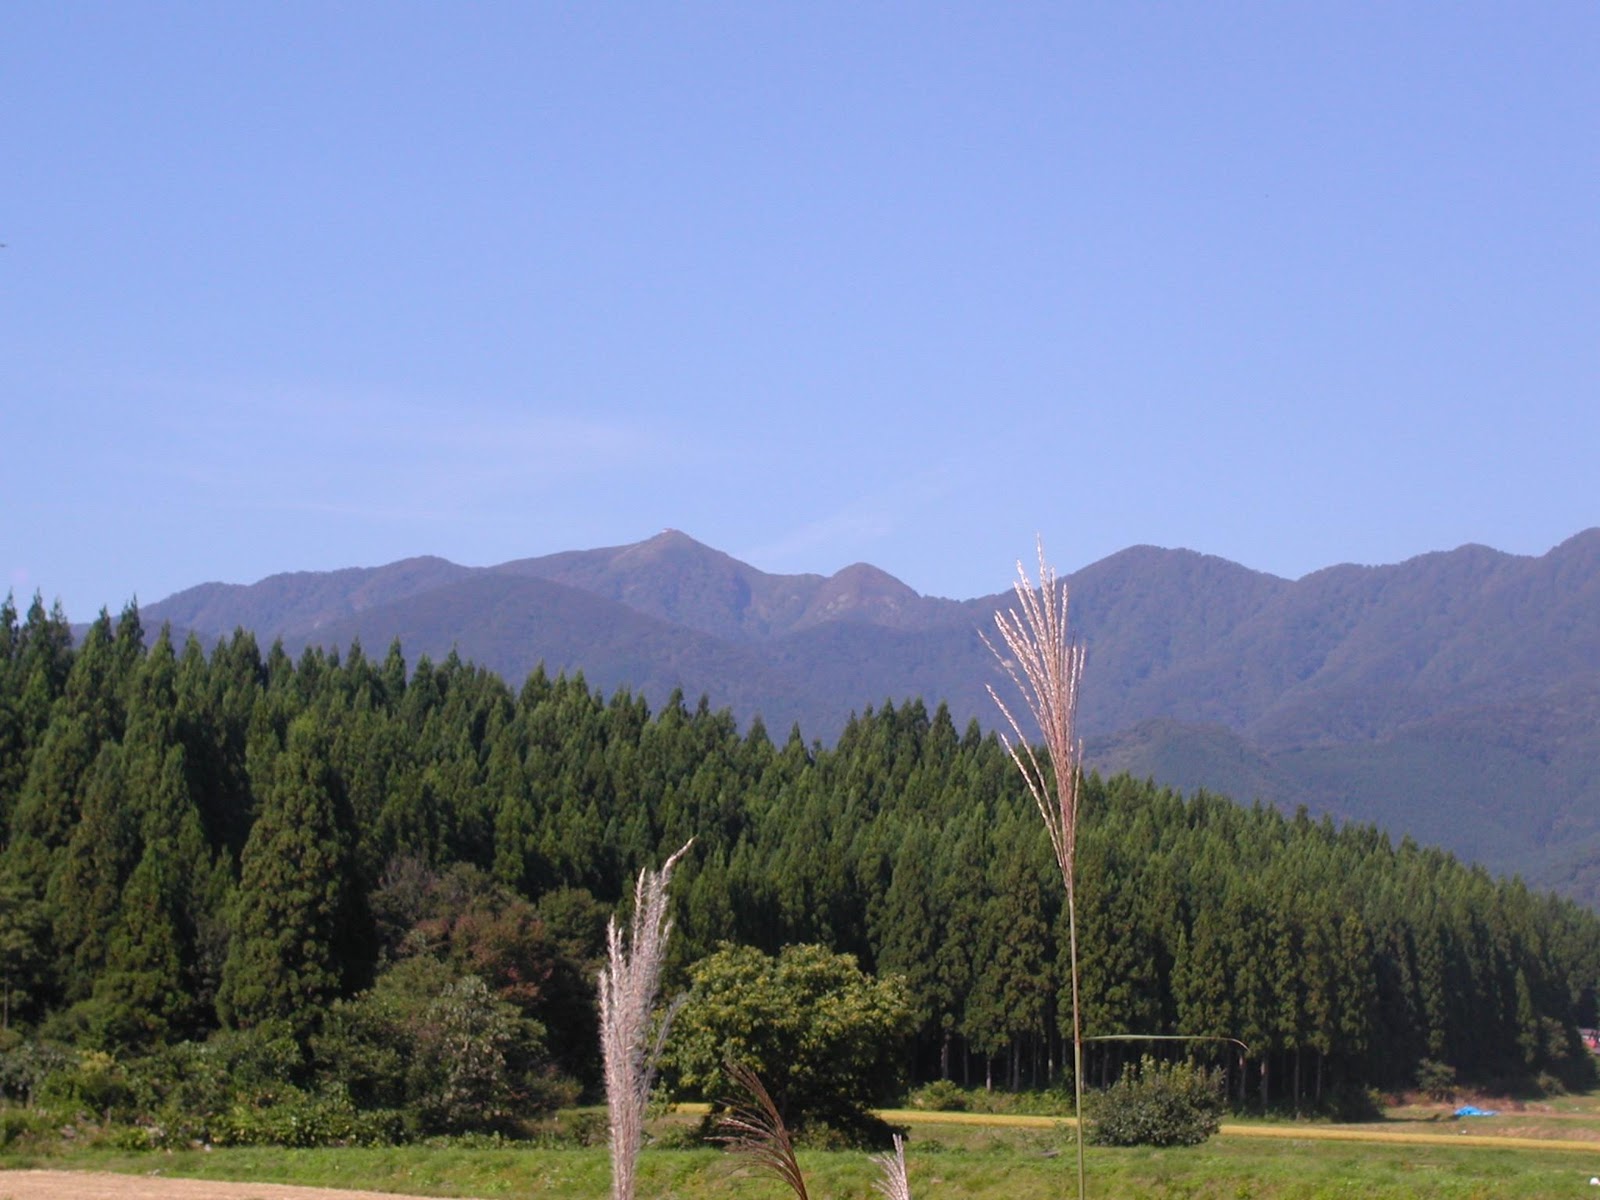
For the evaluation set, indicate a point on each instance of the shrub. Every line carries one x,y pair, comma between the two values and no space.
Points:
22,1125
1436,1080
1351,1102
1547,1084
942,1095
1051,1102
681,1137
97,1084
27,1064
469,1050
261,1059
306,1120
1158,1104
866,1131
446,1050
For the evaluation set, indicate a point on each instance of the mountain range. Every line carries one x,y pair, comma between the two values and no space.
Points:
1454,697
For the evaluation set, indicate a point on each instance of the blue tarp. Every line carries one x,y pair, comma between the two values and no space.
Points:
1468,1110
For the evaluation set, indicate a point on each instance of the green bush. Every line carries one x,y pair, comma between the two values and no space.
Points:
942,1095
681,1137
859,1132
1351,1102
96,1084
1546,1084
23,1125
1157,1104
25,1065
186,1087
446,1050
193,1092
1050,1102
305,1120
1436,1080
584,1129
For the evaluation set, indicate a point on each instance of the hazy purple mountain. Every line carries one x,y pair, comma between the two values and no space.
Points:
303,600
675,578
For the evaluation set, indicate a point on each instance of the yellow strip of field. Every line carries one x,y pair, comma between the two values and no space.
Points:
1347,1134
1309,1133
918,1116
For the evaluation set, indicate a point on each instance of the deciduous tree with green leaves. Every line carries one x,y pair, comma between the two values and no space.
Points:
824,1036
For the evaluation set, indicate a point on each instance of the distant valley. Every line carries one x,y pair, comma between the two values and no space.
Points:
1454,697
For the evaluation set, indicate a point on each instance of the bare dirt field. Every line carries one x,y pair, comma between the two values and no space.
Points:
101,1185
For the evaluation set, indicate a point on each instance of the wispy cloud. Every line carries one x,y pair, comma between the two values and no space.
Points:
380,457
852,529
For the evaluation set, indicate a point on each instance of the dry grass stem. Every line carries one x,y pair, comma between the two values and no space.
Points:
629,1046
755,1129
894,1185
1046,666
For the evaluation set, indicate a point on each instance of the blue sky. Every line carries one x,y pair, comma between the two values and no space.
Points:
303,286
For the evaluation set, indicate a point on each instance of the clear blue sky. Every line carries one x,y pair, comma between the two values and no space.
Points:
310,285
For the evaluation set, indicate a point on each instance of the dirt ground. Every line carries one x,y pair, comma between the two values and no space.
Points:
99,1185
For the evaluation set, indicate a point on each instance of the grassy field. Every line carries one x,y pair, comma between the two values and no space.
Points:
1416,1153
1003,1170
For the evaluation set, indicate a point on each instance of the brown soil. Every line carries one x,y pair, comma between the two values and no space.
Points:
101,1185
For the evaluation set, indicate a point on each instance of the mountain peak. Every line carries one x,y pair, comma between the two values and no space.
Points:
668,544
1579,544
861,593
864,575
674,537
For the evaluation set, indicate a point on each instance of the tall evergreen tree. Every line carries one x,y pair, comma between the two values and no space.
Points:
24,949
293,909
85,891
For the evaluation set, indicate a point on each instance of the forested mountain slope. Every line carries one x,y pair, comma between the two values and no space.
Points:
1451,696
235,840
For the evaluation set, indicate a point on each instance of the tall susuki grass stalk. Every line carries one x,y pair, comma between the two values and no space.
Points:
628,1044
1046,666
756,1129
894,1185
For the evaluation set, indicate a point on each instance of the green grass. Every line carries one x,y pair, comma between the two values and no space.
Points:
954,1161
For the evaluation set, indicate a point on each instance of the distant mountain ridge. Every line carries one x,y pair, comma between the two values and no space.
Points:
674,578
1454,696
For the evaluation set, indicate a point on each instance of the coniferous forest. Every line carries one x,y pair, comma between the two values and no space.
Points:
322,878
